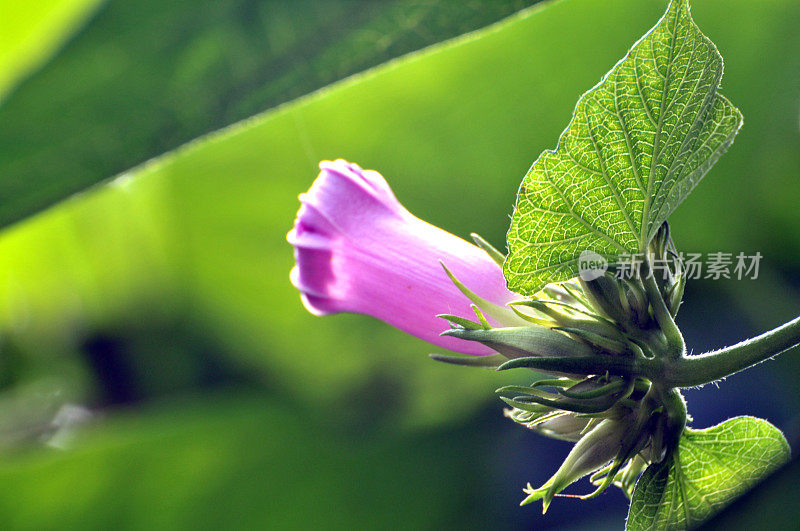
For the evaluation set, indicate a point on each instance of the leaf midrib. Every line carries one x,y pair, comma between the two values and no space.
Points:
648,199
707,104
624,128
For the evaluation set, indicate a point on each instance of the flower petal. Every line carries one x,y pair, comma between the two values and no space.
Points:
359,250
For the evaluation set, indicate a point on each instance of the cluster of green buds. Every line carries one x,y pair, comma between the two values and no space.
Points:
585,339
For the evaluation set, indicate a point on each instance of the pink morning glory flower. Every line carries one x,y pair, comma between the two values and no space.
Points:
357,249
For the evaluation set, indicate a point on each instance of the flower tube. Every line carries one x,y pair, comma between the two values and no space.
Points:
357,249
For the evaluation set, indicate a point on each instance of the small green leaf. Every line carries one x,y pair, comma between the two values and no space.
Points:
636,146
709,470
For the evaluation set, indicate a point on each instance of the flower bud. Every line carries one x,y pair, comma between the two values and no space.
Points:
524,341
594,450
566,427
607,298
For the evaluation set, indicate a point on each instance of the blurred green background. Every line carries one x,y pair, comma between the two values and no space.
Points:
157,368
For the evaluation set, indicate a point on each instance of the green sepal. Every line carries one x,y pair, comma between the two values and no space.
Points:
606,296
530,318
568,293
481,318
598,340
558,382
615,386
566,316
637,302
460,321
590,453
593,405
574,291
584,365
527,406
496,255
675,295
633,440
608,480
524,341
498,313
486,362
536,494
626,479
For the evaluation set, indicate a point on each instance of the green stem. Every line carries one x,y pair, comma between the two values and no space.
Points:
691,371
663,316
675,409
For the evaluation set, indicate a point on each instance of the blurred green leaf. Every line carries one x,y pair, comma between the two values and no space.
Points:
30,32
709,469
637,144
147,76
221,462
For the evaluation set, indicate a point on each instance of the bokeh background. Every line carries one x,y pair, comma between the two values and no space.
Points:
157,370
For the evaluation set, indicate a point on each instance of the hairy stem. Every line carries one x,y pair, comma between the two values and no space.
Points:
663,316
690,371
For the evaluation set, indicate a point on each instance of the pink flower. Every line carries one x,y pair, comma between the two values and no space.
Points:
357,249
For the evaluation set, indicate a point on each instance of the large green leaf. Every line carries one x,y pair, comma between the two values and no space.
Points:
637,144
709,470
31,31
145,77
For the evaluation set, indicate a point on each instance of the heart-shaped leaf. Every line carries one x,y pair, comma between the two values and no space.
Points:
709,470
637,144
